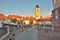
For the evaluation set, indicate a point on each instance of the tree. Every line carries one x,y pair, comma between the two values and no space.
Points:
14,20
31,21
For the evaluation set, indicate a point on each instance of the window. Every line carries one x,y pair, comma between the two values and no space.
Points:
58,3
56,22
55,3
56,14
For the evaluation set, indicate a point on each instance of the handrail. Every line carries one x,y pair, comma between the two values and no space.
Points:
5,34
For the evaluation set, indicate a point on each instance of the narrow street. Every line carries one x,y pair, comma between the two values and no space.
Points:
33,34
29,34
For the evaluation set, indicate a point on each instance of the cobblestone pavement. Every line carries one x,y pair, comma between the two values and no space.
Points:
48,35
35,34
15,32
29,34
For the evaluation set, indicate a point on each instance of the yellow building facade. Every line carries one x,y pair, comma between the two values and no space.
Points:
37,12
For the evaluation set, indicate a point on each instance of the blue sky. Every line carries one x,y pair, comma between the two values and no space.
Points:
25,7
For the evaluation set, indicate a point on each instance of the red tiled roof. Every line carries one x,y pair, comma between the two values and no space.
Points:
2,16
14,17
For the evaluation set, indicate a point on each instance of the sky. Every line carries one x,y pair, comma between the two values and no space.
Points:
25,7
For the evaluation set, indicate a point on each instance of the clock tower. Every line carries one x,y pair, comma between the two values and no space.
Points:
37,12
